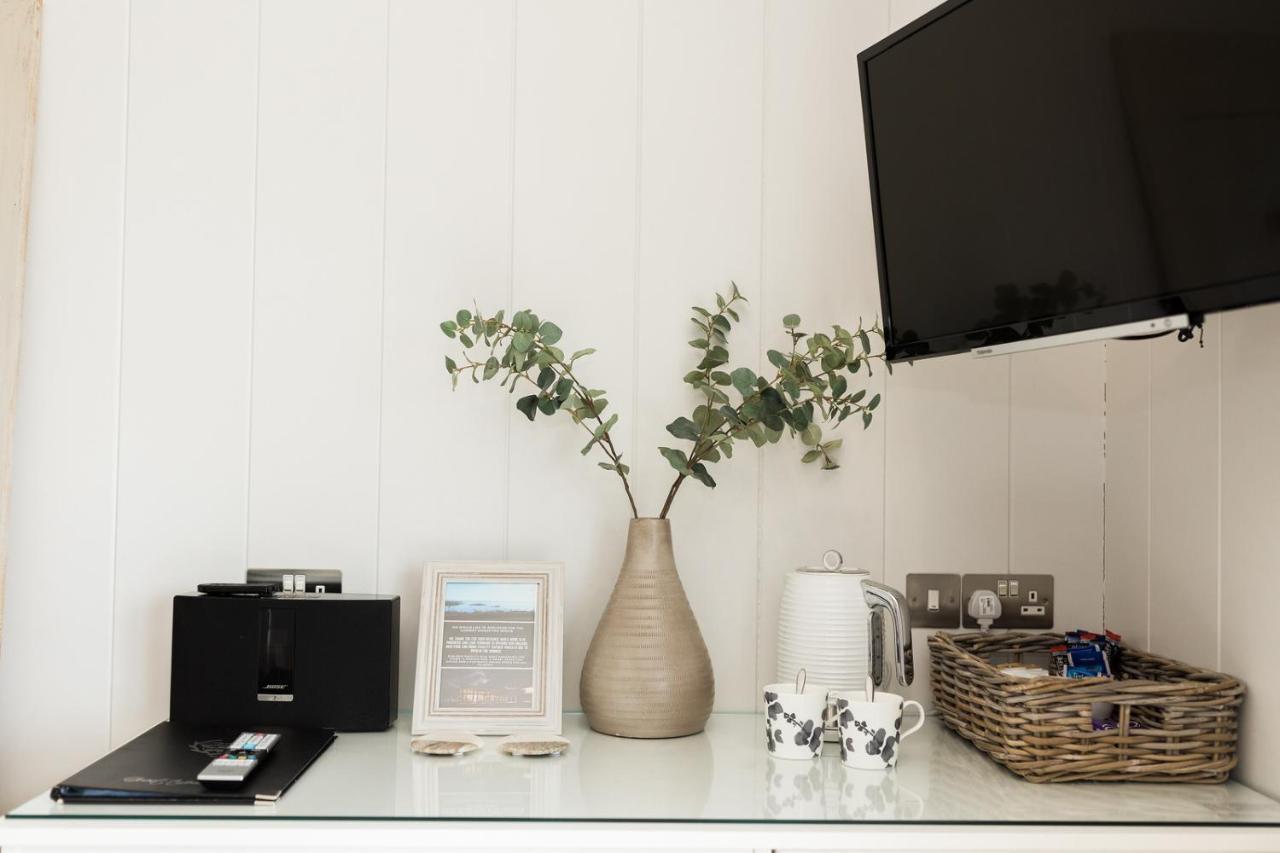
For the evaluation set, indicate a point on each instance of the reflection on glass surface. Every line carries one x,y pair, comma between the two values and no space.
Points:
485,785
612,770
826,790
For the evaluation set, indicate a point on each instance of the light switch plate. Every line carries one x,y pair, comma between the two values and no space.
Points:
948,588
1027,601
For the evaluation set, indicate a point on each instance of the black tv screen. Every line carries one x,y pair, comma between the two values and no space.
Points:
1049,166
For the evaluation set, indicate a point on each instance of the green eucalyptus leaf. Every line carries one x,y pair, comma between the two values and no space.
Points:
605,465
778,360
582,353
865,341
450,365
449,327
720,377
800,419
744,380
550,332
677,459
464,317
522,341
547,406
875,401
791,321
528,405
491,368
699,343
811,456
546,376
773,402
699,473
866,419
684,428
811,435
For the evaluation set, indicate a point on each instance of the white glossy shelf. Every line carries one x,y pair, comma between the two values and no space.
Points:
722,775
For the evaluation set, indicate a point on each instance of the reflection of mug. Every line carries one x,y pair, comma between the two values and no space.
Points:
875,796
793,721
871,732
796,790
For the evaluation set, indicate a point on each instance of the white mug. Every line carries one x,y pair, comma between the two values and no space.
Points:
793,721
871,732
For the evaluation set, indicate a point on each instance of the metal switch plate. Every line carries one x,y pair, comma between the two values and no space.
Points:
922,589
1026,601
313,580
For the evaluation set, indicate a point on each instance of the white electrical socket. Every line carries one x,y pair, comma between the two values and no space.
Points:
984,606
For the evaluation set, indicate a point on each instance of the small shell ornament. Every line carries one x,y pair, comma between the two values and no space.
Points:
445,743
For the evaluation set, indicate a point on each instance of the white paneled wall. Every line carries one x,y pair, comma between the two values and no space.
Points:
1193,499
249,218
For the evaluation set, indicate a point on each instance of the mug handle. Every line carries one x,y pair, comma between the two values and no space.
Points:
919,722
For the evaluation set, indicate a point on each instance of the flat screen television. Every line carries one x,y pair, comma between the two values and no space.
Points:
1041,167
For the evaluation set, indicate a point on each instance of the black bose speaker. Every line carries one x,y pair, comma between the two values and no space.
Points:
307,661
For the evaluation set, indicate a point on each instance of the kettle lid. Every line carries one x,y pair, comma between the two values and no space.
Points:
833,563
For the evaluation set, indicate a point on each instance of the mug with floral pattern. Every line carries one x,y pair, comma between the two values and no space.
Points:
871,732
793,720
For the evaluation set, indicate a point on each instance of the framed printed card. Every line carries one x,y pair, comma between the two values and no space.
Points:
490,648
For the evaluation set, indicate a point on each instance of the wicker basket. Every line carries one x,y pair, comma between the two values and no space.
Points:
1042,729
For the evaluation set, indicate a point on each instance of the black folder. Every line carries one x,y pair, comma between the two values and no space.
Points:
160,766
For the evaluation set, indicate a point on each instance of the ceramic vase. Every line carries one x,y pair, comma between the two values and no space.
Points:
647,672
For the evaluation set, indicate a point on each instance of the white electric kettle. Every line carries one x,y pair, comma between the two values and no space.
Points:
825,627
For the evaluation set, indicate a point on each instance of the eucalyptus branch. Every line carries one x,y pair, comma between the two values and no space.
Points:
809,388
530,344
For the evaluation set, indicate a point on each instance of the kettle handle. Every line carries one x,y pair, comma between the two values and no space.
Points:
877,595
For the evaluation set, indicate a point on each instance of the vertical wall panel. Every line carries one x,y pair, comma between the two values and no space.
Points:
903,12
819,262
318,290
700,227
1126,522
1250,533
1184,497
184,399
444,453
55,659
1056,476
947,479
575,263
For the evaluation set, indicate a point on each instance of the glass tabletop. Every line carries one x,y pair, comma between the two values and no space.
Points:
724,775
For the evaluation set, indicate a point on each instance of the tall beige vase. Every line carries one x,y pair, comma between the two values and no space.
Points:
647,672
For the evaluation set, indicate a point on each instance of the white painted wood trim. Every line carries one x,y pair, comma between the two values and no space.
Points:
56,834
19,70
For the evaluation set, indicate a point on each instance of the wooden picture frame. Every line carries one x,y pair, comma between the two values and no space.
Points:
490,648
